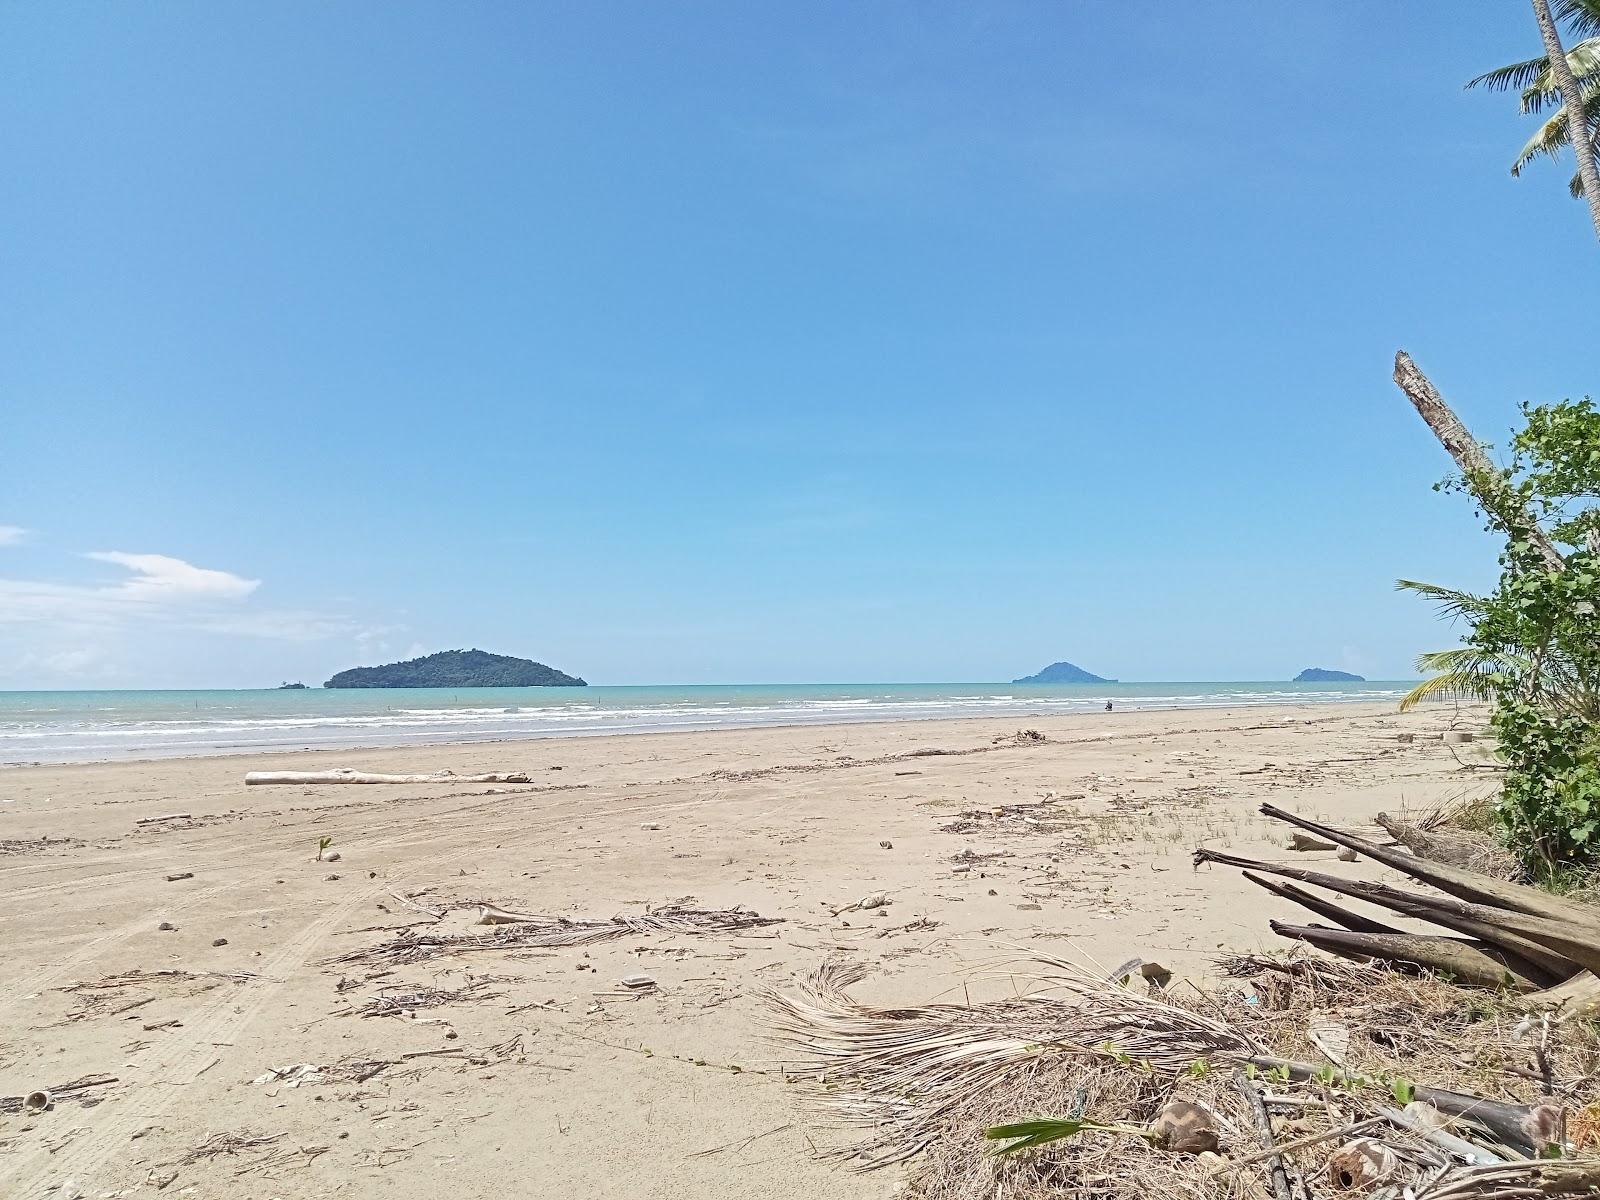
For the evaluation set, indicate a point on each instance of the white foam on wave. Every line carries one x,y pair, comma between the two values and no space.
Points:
56,733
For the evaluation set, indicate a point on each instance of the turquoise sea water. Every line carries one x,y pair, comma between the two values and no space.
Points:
92,726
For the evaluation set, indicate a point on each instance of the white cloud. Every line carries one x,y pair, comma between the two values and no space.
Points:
160,589
12,535
160,577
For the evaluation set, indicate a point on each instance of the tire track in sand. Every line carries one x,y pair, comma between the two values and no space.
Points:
109,1127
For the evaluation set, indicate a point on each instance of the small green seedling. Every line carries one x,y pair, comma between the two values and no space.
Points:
322,847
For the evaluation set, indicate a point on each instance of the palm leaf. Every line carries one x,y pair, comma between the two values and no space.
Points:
1581,16
1465,673
1036,1133
1550,137
1584,62
1454,605
1513,77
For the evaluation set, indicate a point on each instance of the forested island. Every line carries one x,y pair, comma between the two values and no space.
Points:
1323,675
456,668
1063,672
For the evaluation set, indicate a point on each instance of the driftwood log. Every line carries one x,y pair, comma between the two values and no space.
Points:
1465,963
347,775
1486,924
1514,938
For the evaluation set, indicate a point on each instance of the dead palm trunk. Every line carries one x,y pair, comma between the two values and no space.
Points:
1457,881
1572,100
1324,908
1426,951
1559,948
1487,484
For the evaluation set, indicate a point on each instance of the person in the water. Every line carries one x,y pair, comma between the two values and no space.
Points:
1108,706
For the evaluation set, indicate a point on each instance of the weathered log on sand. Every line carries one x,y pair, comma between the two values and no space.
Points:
1553,950
1336,913
1575,997
347,775
1432,952
1468,885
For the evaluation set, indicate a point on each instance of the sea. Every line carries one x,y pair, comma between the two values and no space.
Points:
93,726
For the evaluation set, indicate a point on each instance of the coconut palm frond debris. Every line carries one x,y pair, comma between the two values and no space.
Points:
1302,1077
518,931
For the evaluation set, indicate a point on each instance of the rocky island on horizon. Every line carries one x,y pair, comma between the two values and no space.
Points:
1063,672
456,668
1324,675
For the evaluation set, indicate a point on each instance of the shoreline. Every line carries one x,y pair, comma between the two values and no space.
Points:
366,741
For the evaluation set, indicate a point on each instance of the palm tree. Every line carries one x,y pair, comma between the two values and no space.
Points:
1541,89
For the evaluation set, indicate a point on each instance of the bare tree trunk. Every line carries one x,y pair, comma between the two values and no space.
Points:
1458,881
1325,909
1572,100
1476,469
1557,948
1461,962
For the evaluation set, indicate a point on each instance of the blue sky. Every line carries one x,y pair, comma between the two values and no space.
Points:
715,343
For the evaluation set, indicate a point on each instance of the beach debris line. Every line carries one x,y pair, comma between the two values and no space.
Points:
79,1091
1501,935
404,1000
1210,1094
350,775
1035,816
870,901
515,931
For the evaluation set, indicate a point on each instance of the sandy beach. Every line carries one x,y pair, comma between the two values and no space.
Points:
544,1076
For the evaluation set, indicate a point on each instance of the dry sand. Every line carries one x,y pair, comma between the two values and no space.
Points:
673,1093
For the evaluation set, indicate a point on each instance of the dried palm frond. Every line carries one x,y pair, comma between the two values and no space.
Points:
898,1070
1079,1053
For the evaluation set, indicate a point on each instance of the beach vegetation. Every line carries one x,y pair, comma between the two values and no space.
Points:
1532,644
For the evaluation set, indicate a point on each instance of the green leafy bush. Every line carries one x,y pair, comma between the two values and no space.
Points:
1534,642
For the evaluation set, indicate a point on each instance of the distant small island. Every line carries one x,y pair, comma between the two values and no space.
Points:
291,687
1323,675
456,668
1063,672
